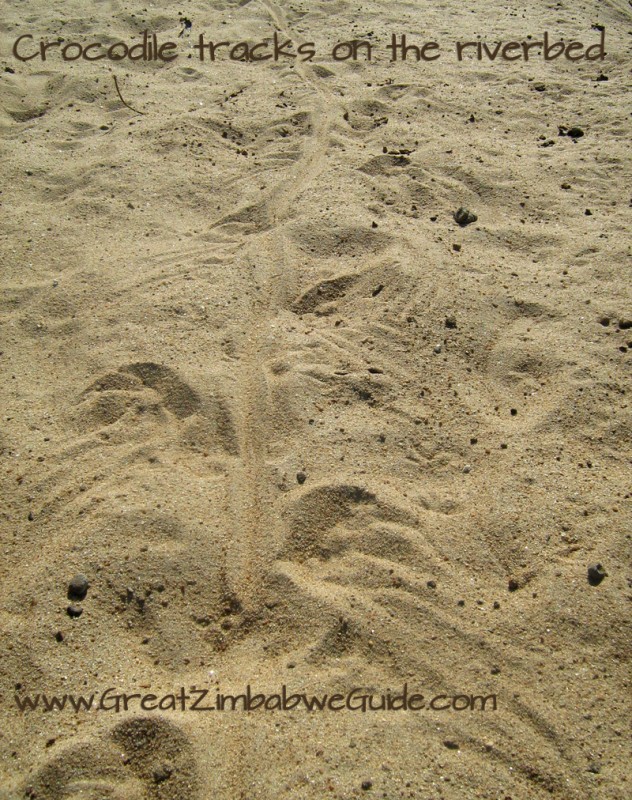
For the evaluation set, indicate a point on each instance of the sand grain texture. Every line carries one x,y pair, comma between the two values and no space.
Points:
296,425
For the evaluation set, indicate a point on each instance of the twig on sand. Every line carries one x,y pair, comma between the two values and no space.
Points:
135,110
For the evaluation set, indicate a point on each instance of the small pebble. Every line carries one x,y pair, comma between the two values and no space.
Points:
437,348
366,785
513,585
451,744
78,587
464,217
575,132
596,573
301,477
467,468
74,611
162,773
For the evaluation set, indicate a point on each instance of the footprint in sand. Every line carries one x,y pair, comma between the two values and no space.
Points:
139,759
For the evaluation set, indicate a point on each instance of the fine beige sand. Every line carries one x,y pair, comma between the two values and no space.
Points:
295,425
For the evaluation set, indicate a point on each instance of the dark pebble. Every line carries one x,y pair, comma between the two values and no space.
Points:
450,322
451,744
74,611
431,584
301,477
602,77
78,587
575,132
366,785
464,217
595,768
513,585
596,573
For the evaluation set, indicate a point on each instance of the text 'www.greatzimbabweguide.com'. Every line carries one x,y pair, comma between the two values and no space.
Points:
195,699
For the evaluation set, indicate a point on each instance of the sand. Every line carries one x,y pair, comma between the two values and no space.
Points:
296,426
